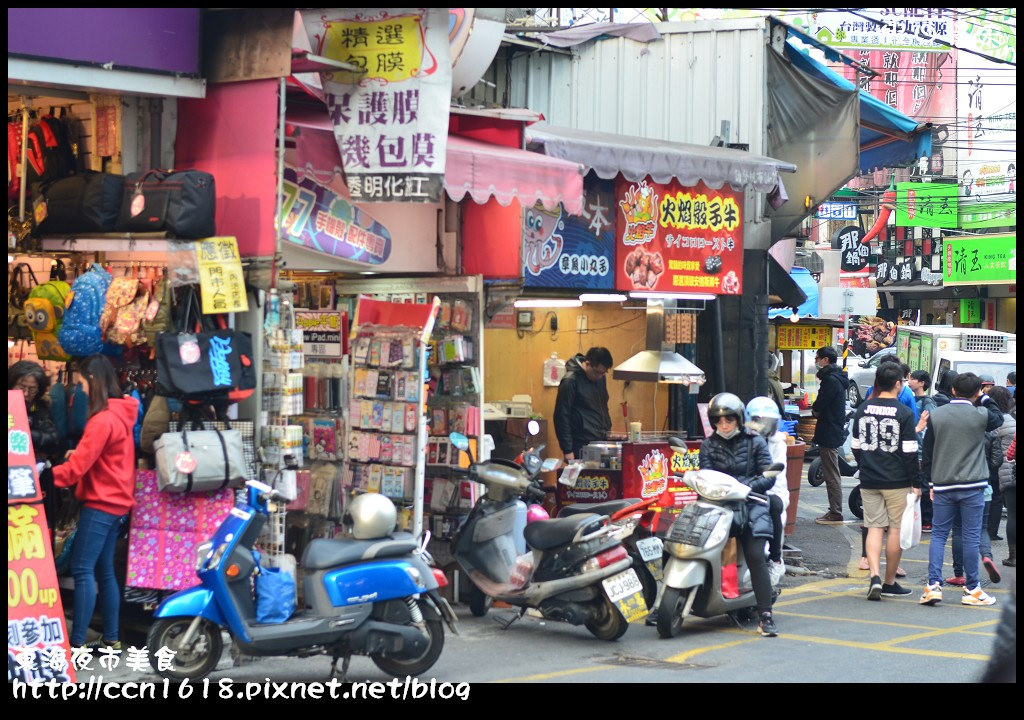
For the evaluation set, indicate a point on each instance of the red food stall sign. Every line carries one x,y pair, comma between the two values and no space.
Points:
671,238
37,638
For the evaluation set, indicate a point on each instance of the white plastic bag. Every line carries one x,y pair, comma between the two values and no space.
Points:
910,525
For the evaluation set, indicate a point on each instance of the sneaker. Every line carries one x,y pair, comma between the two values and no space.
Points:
926,527
895,590
956,580
652,618
830,518
932,594
100,643
977,596
767,626
863,565
993,571
875,588
900,572
776,571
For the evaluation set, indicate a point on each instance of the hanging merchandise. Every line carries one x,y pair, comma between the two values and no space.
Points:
158,313
200,460
182,264
19,287
14,131
50,155
121,320
182,203
44,313
80,334
84,203
199,363
554,370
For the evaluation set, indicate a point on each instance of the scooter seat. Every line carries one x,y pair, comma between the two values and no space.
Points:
321,554
606,508
547,534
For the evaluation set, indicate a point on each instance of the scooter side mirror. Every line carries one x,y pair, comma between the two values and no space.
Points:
773,470
677,444
459,440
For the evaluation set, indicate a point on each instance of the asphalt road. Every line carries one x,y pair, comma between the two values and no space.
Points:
829,632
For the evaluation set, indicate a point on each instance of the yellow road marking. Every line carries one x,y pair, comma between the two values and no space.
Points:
683,657
822,596
558,674
832,618
817,586
878,647
937,633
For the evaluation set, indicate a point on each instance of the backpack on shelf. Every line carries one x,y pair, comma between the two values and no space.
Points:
122,317
44,313
80,335
50,155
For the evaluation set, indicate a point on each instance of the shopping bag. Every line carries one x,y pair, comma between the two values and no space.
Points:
275,595
910,525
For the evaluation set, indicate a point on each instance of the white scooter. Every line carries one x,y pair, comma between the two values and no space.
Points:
693,573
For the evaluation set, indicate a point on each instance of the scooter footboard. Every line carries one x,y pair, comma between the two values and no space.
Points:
684,574
189,603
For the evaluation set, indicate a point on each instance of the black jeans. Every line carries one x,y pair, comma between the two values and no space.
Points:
753,552
1010,498
778,525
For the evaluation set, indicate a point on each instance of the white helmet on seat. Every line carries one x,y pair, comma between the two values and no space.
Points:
371,516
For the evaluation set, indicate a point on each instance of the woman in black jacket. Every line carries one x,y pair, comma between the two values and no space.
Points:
31,379
746,457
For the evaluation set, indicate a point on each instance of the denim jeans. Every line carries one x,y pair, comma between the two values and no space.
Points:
984,542
92,564
970,504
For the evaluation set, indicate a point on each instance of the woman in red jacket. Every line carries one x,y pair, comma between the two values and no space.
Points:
102,467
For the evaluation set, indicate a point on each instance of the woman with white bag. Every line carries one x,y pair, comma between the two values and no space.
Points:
885,444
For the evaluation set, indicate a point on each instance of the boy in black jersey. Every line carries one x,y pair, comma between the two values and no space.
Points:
885,444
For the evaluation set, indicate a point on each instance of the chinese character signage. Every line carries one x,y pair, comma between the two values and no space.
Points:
970,312
671,238
926,205
390,120
572,251
854,255
323,332
990,259
837,211
37,639
887,28
794,337
221,279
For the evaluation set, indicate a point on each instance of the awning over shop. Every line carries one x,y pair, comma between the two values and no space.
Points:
482,171
608,154
888,138
802,278
782,285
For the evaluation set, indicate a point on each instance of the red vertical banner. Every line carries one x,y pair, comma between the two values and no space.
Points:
37,638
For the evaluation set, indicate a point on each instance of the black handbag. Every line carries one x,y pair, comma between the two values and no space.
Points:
89,202
182,203
202,363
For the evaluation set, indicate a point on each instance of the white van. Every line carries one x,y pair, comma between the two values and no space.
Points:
937,348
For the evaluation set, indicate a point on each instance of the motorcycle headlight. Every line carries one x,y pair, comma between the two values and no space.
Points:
218,554
203,552
710,489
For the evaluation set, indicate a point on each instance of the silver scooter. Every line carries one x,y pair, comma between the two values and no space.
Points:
693,573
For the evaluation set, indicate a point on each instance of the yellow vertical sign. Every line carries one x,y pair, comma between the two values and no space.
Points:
220,276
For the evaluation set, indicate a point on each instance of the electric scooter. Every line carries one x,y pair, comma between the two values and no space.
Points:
376,597
576,568
693,572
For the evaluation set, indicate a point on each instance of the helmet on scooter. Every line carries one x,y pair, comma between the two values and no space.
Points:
371,516
763,416
725,404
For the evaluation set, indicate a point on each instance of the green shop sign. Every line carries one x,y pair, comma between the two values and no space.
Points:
988,259
974,216
926,205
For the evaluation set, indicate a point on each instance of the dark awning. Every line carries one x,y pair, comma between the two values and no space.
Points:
783,286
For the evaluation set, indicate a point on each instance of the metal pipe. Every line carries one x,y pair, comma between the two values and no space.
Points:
719,371
156,133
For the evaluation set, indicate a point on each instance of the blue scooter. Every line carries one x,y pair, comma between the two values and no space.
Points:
376,597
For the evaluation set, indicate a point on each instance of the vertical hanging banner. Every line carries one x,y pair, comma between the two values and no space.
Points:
391,117
671,238
220,276
37,638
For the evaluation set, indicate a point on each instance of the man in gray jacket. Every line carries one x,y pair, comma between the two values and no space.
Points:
956,470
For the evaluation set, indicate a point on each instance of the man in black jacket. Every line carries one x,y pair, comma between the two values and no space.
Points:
581,409
830,432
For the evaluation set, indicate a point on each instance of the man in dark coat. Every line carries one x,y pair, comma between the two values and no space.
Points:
581,409
830,432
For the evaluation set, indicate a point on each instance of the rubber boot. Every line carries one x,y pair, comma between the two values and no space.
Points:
730,581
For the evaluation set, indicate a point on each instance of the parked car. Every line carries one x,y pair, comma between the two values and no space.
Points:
862,375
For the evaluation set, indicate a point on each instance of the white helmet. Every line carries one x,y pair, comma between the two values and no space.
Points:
763,416
371,516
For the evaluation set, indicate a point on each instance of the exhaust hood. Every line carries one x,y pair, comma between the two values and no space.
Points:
655,364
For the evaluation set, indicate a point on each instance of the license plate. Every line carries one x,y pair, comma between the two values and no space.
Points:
627,594
655,567
650,549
